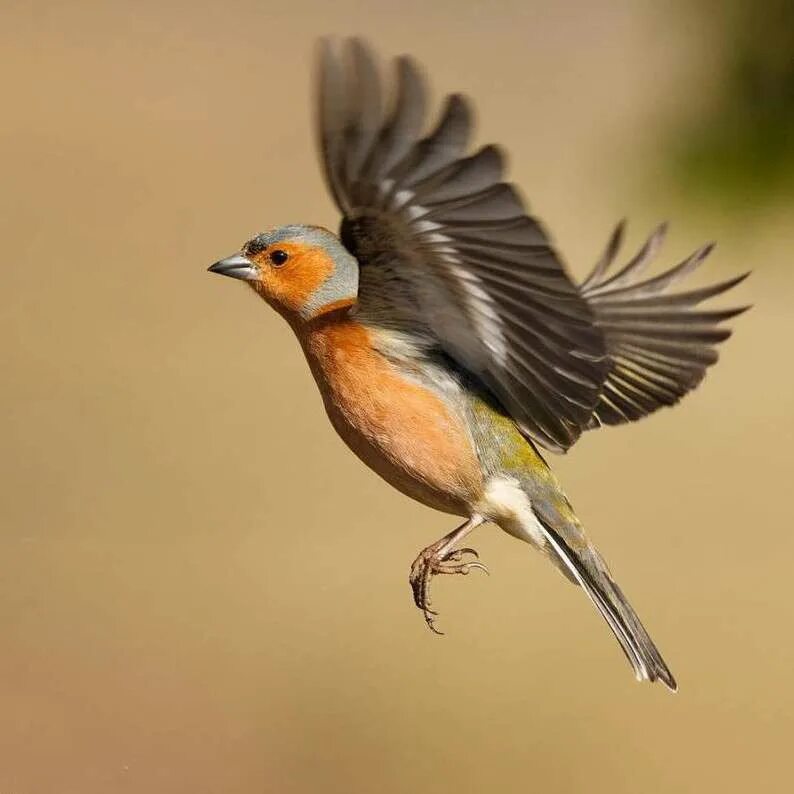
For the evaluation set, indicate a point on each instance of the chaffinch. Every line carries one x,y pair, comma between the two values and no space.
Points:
450,344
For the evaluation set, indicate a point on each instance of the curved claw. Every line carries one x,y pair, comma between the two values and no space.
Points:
432,626
456,555
478,565
431,562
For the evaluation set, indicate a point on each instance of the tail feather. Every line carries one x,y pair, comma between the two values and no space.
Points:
589,570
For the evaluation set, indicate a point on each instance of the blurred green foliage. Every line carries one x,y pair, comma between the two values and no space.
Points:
742,145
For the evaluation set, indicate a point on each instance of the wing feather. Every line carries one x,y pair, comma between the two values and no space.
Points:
448,252
660,344
453,241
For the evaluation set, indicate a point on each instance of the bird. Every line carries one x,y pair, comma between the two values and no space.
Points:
450,344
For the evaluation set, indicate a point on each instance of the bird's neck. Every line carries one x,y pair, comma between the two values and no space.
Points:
331,340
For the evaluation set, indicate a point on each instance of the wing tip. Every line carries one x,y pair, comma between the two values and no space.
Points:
661,230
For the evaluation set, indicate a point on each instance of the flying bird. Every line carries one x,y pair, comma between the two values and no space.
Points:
448,340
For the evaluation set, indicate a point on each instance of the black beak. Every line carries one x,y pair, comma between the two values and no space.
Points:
236,266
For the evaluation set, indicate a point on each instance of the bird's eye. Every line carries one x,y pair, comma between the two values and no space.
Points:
278,257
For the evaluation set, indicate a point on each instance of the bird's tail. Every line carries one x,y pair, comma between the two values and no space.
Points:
584,566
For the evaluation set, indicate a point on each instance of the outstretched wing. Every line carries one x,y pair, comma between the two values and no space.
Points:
465,260
446,246
660,344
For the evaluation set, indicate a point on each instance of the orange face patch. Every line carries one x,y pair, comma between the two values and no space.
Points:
290,285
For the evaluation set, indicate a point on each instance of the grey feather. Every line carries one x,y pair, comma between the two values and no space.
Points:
443,218
448,250
608,257
588,569
659,343
445,144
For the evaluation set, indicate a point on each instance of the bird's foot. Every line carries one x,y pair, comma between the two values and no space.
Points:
438,559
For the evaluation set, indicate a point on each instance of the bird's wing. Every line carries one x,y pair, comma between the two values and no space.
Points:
659,344
455,243
446,245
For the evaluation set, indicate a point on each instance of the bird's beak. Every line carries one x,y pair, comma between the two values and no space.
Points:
236,266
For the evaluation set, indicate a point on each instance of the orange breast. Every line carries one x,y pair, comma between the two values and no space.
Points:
403,430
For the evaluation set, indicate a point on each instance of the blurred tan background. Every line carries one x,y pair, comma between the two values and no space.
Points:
201,590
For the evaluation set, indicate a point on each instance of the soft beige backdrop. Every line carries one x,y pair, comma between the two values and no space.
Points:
201,590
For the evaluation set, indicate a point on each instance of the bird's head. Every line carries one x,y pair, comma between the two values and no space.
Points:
302,271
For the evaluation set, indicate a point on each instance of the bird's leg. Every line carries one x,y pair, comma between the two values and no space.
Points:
442,557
